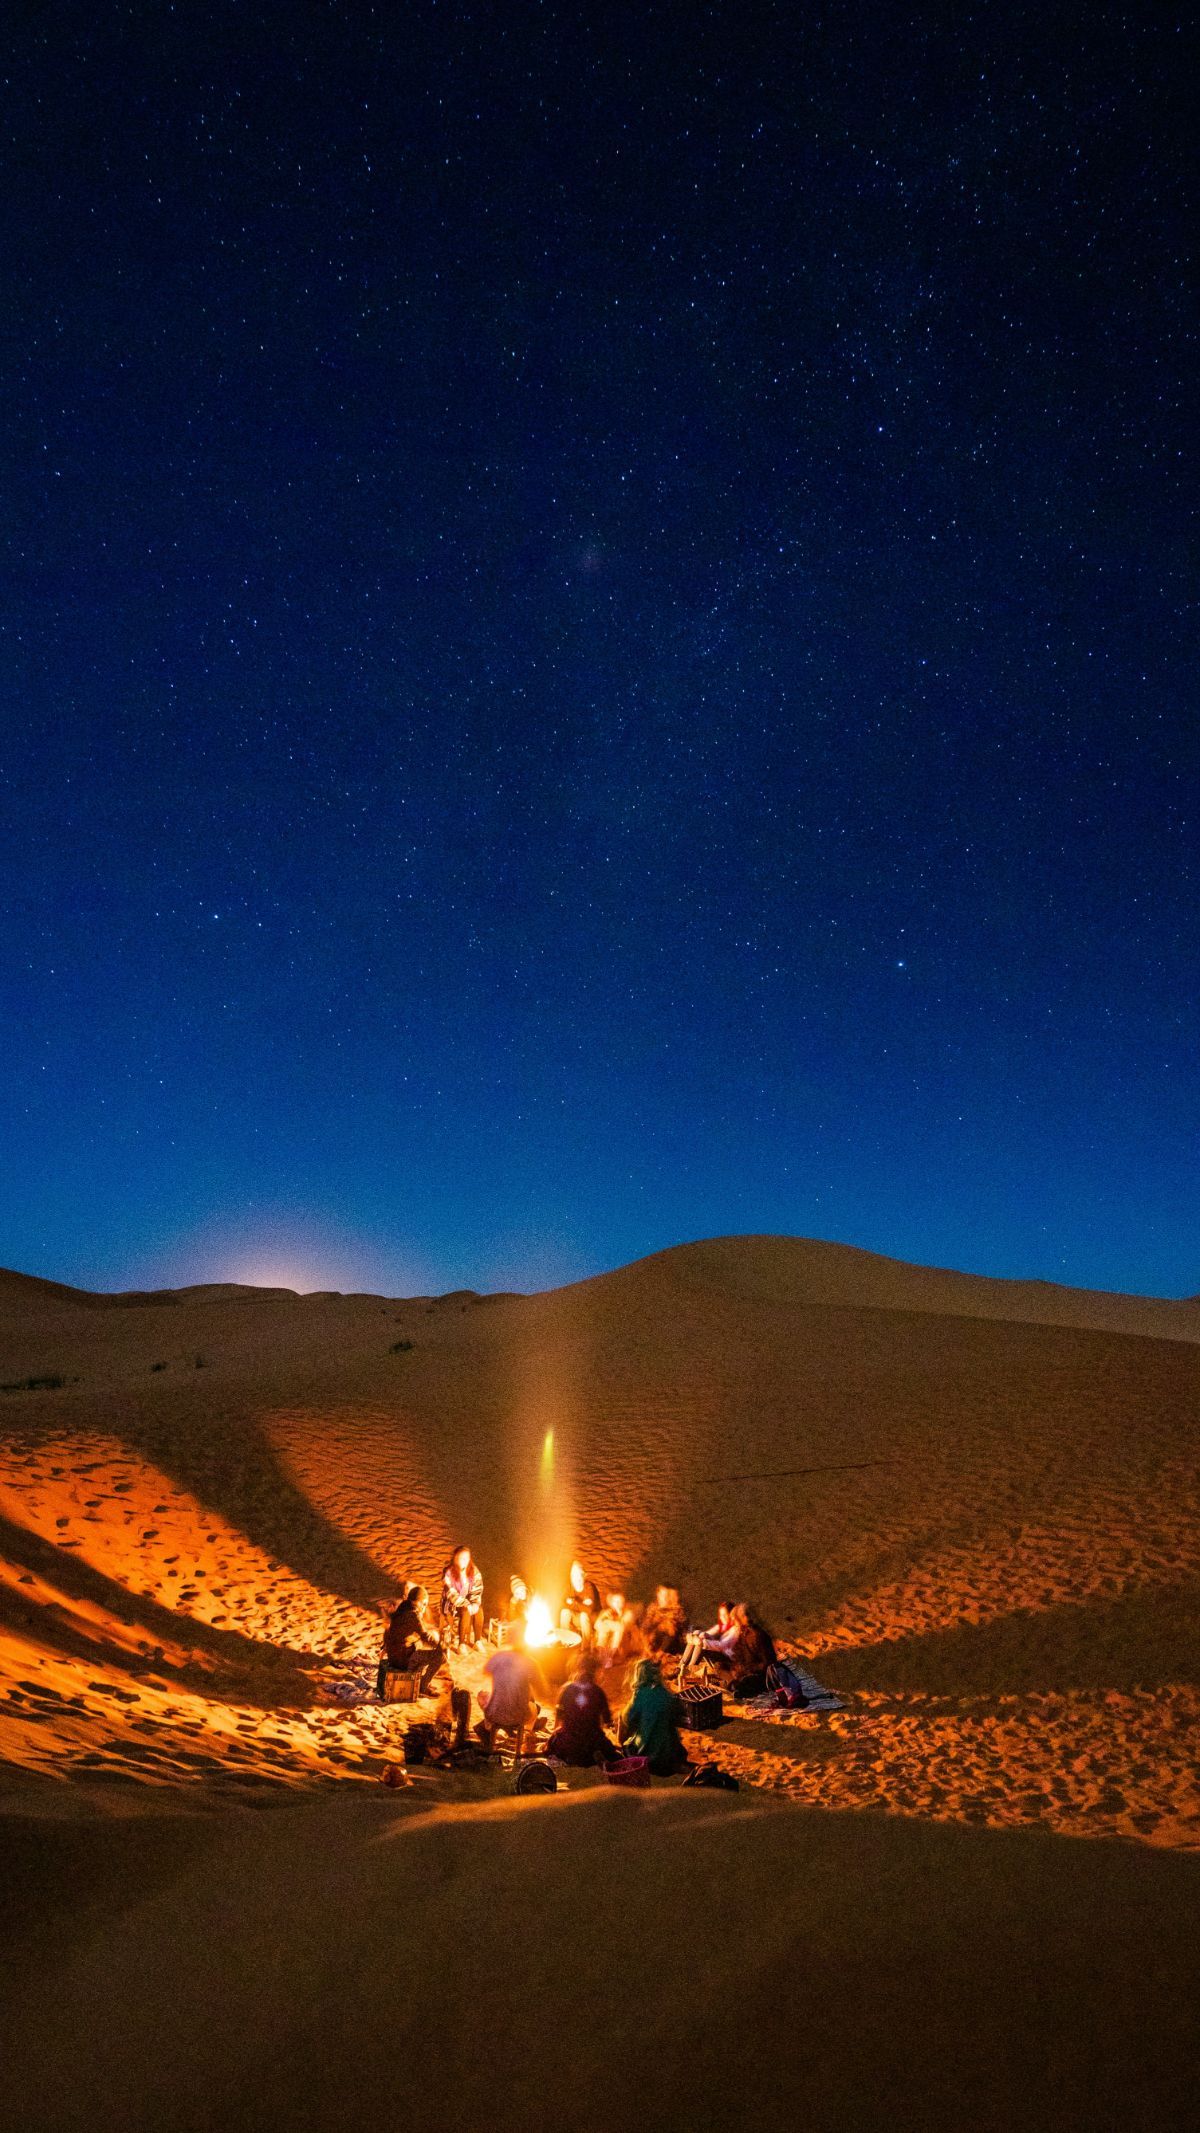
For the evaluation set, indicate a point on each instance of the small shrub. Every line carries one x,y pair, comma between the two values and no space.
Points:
46,1384
158,1366
399,1347
201,1362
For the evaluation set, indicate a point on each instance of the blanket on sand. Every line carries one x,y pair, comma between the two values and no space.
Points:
768,1705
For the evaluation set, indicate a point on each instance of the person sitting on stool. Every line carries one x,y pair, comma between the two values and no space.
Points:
408,1647
514,1680
462,1598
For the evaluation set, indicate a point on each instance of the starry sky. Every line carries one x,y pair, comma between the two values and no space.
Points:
597,639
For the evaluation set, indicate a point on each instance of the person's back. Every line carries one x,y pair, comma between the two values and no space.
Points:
583,1713
650,1722
404,1631
512,1674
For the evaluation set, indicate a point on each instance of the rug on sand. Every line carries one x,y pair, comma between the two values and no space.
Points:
768,1705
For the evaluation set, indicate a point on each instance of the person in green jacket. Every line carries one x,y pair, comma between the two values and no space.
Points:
649,1724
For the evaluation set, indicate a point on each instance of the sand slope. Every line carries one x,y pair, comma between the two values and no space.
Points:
985,1527
679,1961
972,1505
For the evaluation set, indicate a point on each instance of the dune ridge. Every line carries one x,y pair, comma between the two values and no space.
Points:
972,1507
790,1268
980,1524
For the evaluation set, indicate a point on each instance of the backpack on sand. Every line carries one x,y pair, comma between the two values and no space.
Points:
787,1686
712,1778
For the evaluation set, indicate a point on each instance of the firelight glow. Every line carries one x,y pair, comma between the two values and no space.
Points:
539,1623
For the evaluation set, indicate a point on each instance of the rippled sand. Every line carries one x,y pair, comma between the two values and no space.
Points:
971,1506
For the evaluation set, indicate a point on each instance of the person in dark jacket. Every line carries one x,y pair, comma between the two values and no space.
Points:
408,1647
753,1653
389,1612
583,1713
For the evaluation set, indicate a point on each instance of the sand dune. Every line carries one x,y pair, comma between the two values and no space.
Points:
690,1963
783,1269
972,1505
984,1525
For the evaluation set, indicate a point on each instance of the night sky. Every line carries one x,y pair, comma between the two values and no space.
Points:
598,639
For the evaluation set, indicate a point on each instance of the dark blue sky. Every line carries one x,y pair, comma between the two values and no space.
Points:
598,640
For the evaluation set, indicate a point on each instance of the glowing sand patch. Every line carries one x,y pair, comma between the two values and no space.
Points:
112,1510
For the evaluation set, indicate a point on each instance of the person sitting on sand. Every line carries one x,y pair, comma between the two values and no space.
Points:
516,1607
583,1713
714,1645
408,1647
616,1630
513,1681
649,1724
580,1606
462,1599
753,1652
664,1624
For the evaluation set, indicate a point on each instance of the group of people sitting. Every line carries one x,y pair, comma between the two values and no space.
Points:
737,1647
599,1637
647,1726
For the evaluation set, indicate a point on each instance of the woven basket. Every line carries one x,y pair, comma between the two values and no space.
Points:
631,1770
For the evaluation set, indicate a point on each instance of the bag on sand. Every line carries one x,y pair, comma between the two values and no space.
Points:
416,1742
631,1770
460,1712
787,1686
712,1778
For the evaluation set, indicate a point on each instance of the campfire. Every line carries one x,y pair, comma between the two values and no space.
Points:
539,1623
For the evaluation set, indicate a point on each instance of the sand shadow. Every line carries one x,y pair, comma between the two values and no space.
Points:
238,1660
1145,1639
231,1469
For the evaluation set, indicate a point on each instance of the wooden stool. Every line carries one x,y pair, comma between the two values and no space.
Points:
402,1684
517,1736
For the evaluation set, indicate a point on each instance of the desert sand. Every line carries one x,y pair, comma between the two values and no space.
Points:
967,1899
